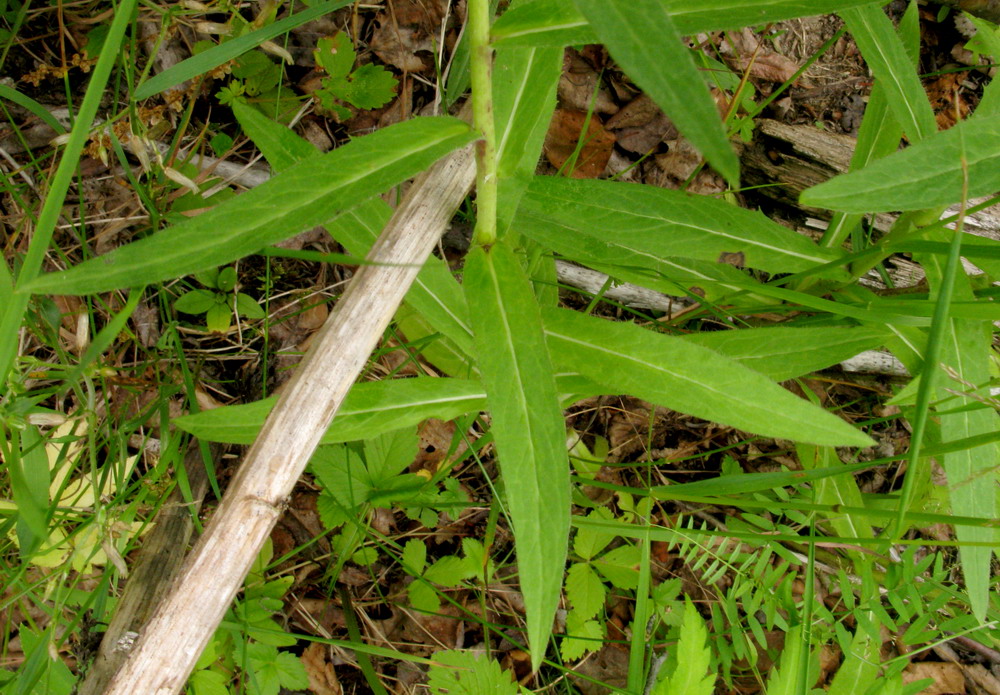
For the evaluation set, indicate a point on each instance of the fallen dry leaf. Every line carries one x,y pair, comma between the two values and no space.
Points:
641,125
322,677
578,86
566,131
405,28
947,677
771,67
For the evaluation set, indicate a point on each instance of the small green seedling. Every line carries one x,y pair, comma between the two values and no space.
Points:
368,87
216,301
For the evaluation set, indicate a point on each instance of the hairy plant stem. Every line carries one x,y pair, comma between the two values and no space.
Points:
482,119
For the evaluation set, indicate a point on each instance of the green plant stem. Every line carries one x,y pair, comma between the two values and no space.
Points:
11,320
482,119
939,329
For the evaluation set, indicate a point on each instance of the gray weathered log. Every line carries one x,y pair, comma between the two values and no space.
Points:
167,648
162,553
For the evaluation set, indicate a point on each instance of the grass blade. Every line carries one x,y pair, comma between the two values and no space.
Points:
965,347
688,378
305,195
642,37
527,426
33,106
45,225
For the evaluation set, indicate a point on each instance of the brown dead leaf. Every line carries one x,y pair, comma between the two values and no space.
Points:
435,440
609,665
566,131
443,630
678,164
947,677
146,319
322,676
320,616
578,86
771,67
946,98
406,28
641,125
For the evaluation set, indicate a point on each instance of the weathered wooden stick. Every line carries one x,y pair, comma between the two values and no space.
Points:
181,626
159,561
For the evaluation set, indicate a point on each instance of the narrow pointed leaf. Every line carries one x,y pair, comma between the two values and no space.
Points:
971,472
528,427
280,145
305,195
786,352
642,38
922,176
884,53
559,23
370,409
524,97
661,223
689,378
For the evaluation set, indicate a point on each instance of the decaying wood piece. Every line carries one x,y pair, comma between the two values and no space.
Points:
797,157
168,647
159,560
593,282
784,160
987,9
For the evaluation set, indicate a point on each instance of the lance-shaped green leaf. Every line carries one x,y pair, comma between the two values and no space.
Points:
642,38
370,409
884,52
524,97
922,176
689,378
661,223
559,23
280,145
305,195
972,472
527,425
785,352
673,276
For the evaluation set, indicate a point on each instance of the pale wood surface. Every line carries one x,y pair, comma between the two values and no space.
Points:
162,553
167,649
